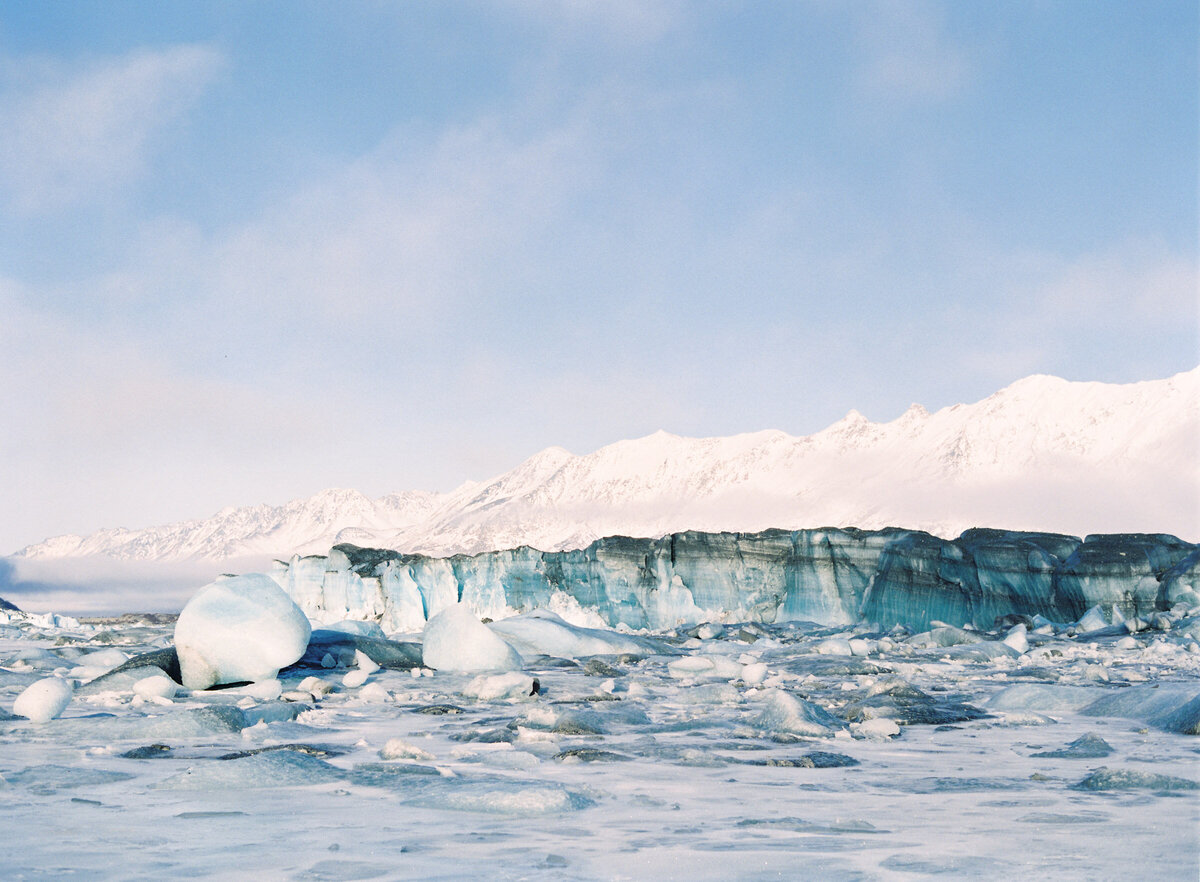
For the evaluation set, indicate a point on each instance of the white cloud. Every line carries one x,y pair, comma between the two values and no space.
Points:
1045,313
1136,276
406,316
99,429
408,227
909,56
69,136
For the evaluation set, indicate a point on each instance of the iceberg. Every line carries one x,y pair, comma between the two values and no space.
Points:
791,715
455,640
542,632
239,629
44,700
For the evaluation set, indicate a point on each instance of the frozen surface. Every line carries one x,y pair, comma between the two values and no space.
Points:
742,750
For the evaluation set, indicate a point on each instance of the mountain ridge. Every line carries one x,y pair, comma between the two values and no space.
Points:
1043,453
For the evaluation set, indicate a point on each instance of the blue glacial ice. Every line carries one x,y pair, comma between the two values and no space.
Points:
827,576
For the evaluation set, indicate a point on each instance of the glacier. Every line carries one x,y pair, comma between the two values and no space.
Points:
831,576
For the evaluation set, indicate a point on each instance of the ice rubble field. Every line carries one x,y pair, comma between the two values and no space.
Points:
715,751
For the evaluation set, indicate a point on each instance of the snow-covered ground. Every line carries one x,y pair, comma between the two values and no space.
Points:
748,752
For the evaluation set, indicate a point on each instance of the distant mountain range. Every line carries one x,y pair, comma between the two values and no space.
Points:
1041,454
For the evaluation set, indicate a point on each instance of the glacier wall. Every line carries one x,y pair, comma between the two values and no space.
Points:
829,576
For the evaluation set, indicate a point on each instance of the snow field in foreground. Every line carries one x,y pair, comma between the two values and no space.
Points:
736,752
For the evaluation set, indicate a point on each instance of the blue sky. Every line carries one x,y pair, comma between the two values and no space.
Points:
252,250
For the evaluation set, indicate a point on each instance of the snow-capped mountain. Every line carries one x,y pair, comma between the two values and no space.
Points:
257,530
1041,454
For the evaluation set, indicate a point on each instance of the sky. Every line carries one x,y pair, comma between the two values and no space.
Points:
252,250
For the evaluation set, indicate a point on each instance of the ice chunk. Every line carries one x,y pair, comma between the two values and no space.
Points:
397,749
859,646
1184,720
1171,706
520,800
166,660
944,636
264,690
835,646
155,686
278,768
1041,697
487,687
173,725
455,640
119,681
579,722
1017,638
237,629
1092,620
896,699
374,693
104,658
878,727
361,629
541,632
785,713
985,651
316,686
1089,746
713,667
342,648
753,674
1105,778
43,700
275,712
98,663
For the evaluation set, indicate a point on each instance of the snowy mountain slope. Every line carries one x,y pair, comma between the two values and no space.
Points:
301,525
1041,454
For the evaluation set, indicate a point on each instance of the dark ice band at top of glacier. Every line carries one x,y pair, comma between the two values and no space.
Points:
827,576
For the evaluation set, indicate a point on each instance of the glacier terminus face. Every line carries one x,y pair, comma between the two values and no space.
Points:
832,577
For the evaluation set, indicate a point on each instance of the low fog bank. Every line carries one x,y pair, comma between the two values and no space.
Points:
101,586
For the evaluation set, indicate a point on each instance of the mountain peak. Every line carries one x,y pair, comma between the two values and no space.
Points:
1041,454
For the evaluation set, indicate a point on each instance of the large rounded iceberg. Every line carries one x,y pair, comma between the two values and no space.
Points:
455,640
242,628
43,700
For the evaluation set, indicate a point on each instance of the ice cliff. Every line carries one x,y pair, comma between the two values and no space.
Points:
829,576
